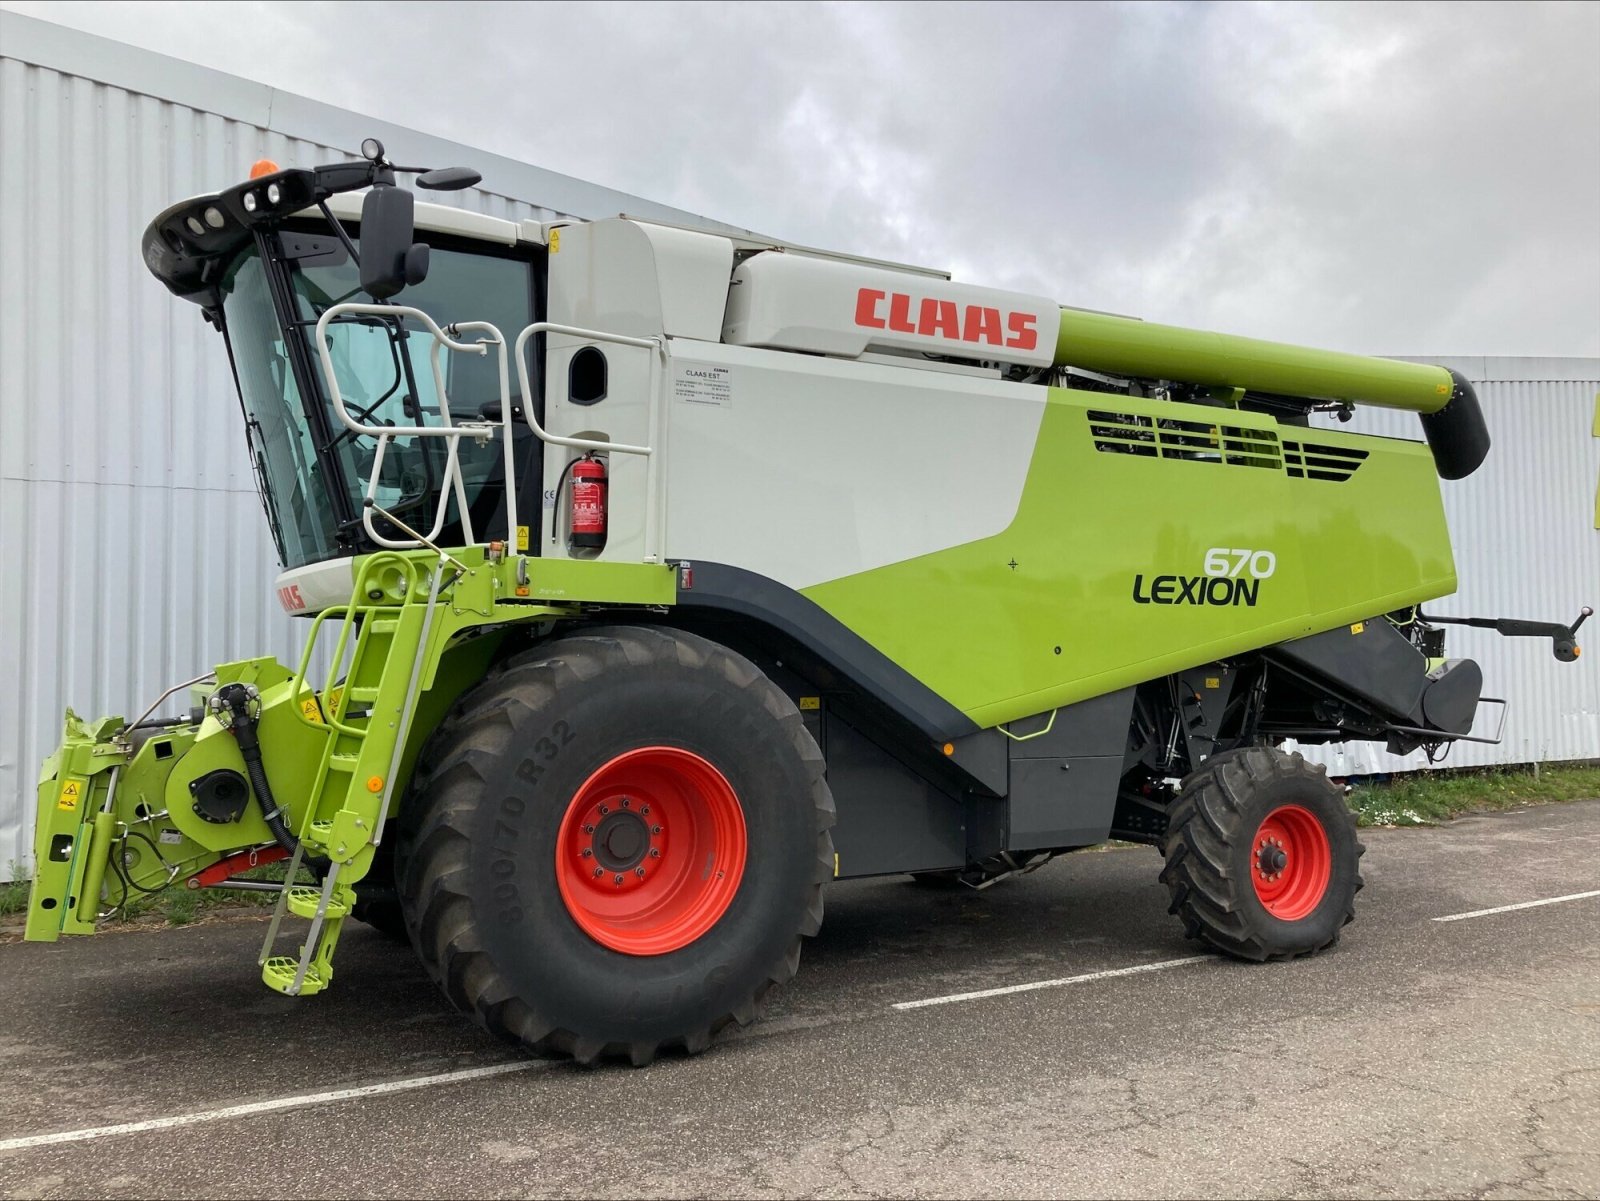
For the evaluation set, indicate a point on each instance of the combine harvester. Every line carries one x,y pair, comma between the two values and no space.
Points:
655,578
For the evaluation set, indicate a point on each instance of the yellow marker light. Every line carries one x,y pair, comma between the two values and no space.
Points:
375,784
263,166
949,748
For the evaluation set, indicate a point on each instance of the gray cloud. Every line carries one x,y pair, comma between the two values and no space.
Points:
1419,178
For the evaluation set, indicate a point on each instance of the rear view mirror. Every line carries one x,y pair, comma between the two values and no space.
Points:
448,179
389,258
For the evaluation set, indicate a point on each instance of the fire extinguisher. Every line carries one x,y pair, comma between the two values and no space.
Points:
588,503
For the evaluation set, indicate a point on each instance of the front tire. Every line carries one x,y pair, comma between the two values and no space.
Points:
1262,857
615,844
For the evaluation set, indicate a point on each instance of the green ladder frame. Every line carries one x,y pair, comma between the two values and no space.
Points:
354,784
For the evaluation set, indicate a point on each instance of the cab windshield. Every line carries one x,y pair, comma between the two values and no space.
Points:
312,471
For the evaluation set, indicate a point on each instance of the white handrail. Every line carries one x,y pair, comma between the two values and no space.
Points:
452,483
653,506
588,335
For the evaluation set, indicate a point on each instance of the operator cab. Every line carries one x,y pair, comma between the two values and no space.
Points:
266,259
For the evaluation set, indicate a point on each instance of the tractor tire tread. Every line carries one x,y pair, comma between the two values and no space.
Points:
433,843
1205,822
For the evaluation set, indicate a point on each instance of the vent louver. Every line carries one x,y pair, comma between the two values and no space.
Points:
1135,434
1316,461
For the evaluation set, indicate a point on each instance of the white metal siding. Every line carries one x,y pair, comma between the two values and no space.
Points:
1525,546
134,547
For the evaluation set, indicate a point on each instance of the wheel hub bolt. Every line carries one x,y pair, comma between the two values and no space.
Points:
619,877
654,854
588,853
655,829
1271,860
598,872
604,809
626,802
644,810
639,871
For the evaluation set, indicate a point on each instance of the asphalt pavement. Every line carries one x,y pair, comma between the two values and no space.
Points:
1420,1058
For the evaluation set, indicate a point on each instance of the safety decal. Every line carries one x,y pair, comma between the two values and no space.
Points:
71,793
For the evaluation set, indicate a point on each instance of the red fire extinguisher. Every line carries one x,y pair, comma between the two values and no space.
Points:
588,503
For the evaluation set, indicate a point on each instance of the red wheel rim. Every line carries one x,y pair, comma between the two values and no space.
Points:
651,851
1290,862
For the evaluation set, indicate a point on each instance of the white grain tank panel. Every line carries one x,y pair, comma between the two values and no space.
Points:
137,550
1524,545
640,280
822,306
692,272
807,469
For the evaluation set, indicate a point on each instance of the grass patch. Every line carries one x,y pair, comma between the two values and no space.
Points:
1426,798
180,905
176,905
14,896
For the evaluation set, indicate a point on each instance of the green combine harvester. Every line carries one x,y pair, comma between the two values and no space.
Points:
654,578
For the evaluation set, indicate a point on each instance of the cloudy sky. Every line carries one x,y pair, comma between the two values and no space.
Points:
1401,178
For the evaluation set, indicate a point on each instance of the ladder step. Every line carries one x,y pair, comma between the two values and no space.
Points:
278,974
343,761
303,903
362,696
380,625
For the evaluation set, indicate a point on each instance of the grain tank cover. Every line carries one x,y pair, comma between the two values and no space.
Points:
821,306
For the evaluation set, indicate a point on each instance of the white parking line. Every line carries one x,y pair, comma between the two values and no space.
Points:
1576,896
1038,984
277,1103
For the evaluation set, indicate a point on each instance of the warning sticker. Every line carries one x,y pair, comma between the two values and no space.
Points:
312,710
71,793
703,384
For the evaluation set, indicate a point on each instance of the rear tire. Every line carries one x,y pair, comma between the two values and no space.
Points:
1262,857
544,770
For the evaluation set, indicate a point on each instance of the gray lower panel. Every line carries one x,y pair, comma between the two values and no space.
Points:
890,818
1098,726
1062,802
1063,787
1369,660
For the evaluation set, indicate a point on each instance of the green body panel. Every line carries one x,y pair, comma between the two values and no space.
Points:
1045,613
1145,350
72,788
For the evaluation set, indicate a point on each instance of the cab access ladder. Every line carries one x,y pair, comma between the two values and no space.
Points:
367,718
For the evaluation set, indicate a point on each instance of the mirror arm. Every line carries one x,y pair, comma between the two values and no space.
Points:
338,228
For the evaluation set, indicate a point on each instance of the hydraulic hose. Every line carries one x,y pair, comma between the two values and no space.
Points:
236,700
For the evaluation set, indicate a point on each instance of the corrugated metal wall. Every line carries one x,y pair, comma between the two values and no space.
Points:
1525,546
133,542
